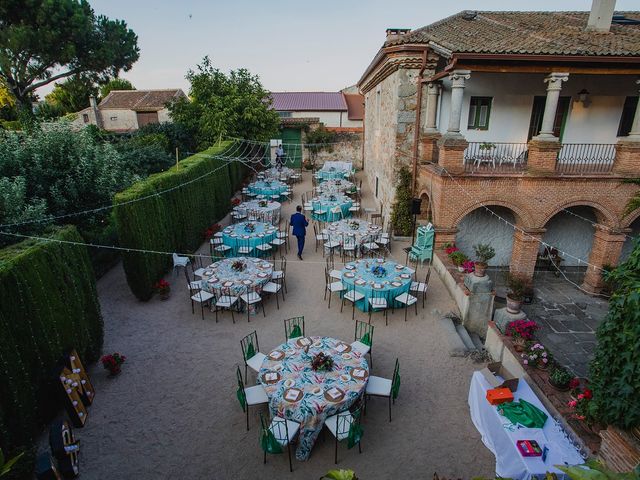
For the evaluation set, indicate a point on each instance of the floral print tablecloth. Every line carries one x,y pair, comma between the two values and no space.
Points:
391,281
336,231
299,393
269,213
336,186
277,174
221,275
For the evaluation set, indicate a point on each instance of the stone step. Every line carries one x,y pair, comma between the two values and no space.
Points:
475,338
466,339
457,348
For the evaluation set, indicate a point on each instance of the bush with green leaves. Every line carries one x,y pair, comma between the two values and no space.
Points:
615,369
401,218
176,220
48,305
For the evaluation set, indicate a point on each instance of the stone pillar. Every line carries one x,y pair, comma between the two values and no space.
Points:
444,236
451,153
433,91
457,92
606,249
542,156
554,84
481,296
526,246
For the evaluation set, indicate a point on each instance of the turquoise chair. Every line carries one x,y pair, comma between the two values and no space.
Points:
422,249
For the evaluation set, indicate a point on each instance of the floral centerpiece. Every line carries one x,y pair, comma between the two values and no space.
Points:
378,271
262,203
113,363
267,183
235,202
354,225
537,356
322,363
163,288
249,227
238,266
332,169
332,198
521,331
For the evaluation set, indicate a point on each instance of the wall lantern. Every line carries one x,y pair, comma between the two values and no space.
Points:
583,97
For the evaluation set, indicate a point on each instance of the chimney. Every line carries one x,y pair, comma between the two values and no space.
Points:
395,33
96,112
601,15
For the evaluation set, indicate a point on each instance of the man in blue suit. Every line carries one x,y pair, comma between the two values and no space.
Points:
299,224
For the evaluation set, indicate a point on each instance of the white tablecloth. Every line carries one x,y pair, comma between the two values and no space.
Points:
499,435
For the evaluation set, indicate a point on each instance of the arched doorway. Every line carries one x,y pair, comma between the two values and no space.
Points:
425,208
628,244
483,226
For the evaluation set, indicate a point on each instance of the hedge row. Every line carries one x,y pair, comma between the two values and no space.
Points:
176,220
48,305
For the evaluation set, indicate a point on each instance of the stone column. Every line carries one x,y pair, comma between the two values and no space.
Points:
606,249
526,245
554,84
433,91
457,92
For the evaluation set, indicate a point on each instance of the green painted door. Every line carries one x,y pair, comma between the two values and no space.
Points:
292,144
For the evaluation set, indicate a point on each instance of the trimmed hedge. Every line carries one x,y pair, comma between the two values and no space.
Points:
174,221
48,305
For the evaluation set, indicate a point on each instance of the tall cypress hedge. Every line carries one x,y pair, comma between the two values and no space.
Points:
48,304
174,221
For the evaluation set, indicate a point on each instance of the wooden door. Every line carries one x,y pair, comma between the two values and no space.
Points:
144,118
537,112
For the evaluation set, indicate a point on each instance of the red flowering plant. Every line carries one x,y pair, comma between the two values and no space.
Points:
113,362
162,287
235,201
522,329
211,231
580,404
468,266
450,248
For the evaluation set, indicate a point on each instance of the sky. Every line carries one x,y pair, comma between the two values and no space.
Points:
323,45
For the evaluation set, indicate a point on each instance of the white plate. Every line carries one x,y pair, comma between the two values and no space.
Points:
344,377
405,275
349,274
346,356
289,383
350,267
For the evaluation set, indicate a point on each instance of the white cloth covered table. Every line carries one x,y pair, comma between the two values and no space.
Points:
499,435
337,165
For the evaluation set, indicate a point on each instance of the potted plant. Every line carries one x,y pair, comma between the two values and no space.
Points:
484,253
113,363
517,286
521,331
468,266
536,355
560,378
163,288
458,258
580,405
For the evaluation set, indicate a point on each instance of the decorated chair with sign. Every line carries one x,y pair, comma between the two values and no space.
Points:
249,396
346,426
383,387
363,339
422,248
251,353
293,328
276,435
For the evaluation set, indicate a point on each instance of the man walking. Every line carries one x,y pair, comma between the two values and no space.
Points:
299,224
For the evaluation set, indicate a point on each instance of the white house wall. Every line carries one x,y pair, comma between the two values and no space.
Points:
330,119
119,120
513,101
164,116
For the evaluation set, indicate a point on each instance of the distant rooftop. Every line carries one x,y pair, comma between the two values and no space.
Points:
143,100
308,101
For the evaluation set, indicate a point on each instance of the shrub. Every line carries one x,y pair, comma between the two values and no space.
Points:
401,211
458,258
517,285
484,252
48,304
175,220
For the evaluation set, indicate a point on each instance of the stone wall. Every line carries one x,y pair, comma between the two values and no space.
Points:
349,149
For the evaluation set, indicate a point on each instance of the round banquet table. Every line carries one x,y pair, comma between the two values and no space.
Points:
329,201
329,174
336,231
269,213
395,281
237,235
336,186
277,174
267,187
299,393
221,275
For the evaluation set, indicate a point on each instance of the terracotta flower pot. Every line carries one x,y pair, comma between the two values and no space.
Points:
518,344
542,365
480,270
513,305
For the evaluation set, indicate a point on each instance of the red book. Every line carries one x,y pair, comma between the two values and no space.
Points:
529,448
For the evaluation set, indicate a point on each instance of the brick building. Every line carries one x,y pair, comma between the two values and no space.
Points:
528,117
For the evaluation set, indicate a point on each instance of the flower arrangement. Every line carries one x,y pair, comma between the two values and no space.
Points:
332,169
163,288
449,248
560,378
267,183
211,231
378,271
522,329
458,258
332,198
238,266
468,266
580,404
322,363
262,203
235,202
113,363
537,356
249,227
354,225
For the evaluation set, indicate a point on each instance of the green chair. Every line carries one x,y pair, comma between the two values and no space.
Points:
363,339
277,435
346,426
383,387
251,353
422,248
293,328
249,396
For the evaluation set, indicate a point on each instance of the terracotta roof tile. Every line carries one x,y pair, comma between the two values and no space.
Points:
546,33
139,99
308,101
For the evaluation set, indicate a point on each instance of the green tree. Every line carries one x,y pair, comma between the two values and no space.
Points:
115,84
42,41
73,94
401,211
225,105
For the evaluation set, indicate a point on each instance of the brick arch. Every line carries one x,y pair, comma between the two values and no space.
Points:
522,216
629,219
603,215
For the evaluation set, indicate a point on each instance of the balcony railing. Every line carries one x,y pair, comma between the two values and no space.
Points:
492,157
585,158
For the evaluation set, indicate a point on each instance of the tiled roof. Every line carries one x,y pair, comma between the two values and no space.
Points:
355,106
543,33
139,99
308,101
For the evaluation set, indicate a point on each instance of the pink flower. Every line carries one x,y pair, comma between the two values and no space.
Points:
580,396
526,362
545,360
572,403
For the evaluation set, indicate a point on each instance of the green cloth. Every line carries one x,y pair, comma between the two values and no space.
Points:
251,351
524,413
395,388
241,397
269,443
295,332
366,339
355,434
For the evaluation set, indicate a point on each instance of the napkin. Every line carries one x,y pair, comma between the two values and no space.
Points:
341,347
334,393
275,355
305,341
291,395
358,372
271,377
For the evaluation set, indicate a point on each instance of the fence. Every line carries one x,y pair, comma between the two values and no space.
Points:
585,158
489,157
